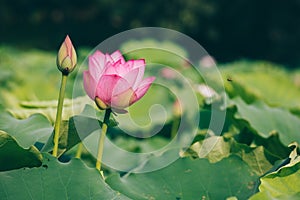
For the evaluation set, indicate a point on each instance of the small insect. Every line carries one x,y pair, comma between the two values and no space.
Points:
45,166
229,78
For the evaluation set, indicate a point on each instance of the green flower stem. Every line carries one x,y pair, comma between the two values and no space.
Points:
175,126
59,113
102,138
79,150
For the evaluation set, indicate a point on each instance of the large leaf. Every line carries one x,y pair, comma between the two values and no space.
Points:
49,108
190,179
283,184
274,146
262,81
12,156
216,148
266,120
28,131
55,180
141,146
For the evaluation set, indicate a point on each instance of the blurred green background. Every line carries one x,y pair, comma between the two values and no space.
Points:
228,30
254,42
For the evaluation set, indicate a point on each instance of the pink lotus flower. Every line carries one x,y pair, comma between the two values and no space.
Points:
114,83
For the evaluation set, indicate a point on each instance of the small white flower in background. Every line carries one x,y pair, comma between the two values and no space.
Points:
207,62
206,91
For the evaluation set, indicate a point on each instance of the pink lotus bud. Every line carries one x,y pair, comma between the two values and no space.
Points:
114,83
66,58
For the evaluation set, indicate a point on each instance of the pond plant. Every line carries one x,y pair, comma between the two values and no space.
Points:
65,149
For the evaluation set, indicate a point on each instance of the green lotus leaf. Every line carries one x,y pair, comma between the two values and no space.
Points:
282,184
28,131
216,148
55,180
190,179
267,121
265,81
12,156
